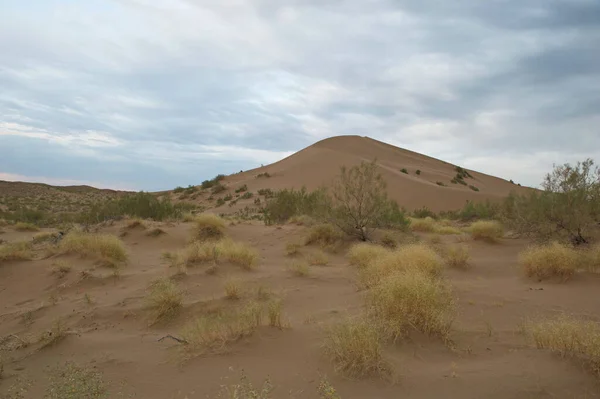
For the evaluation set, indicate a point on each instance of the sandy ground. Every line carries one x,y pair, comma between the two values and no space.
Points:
490,359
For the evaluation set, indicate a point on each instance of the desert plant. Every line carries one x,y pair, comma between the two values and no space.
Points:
233,288
246,390
423,225
403,170
473,188
242,189
104,247
292,249
164,299
457,256
568,208
363,254
568,337
486,230
553,260
156,232
439,183
61,268
288,203
318,259
418,172
299,269
322,234
354,347
411,299
360,202
209,227
274,313
12,251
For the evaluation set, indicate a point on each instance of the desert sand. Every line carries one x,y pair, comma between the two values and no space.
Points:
106,320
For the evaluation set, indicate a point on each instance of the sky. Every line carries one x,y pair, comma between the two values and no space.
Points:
154,94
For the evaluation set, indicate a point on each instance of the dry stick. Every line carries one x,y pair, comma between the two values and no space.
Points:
181,341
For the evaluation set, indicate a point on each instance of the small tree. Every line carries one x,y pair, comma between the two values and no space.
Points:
360,202
568,207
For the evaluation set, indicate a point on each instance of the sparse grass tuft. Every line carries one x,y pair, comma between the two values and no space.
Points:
57,333
75,382
105,247
246,390
274,313
318,258
299,269
214,332
42,237
233,288
209,227
22,226
447,230
411,299
322,234
61,268
263,293
164,299
568,337
292,249
457,256
354,347
591,259
364,253
554,260
15,251
188,217
238,253
486,230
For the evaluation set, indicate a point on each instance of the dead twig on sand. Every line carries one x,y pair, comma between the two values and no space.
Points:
181,341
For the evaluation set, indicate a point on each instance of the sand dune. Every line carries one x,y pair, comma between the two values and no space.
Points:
318,164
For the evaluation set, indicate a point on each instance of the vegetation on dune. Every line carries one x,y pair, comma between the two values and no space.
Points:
105,247
206,184
554,260
164,299
486,230
208,226
457,256
568,208
213,251
72,381
15,251
354,347
568,337
23,226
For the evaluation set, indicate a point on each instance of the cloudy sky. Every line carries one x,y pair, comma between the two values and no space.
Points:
151,94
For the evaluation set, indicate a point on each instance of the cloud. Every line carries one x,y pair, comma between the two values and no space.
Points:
191,88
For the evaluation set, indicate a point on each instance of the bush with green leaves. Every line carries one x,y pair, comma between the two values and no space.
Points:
142,205
289,202
213,182
568,207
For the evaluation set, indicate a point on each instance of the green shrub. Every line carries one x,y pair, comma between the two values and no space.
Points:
178,190
242,189
247,195
418,172
211,183
473,188
218,188
263,175
423,213
403,170
287,203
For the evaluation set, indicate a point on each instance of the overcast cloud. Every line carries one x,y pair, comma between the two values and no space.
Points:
151,94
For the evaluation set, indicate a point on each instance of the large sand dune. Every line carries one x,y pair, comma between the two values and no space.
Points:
317,166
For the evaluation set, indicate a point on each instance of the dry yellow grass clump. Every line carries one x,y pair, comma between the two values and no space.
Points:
135,223
411,299
209,227
486,230
457,256
413,257
21,226
446,230
233,288
42,237
299,269
202,252
354,347
214,332
548,261
364,253
318,258
105,247
591,259
569,337
15,251
425,225
164,299
322,234
292,249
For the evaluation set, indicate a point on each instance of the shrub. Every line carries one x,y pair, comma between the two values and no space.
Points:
238,253
135,223
568,208
423,225
15,251
360,202
318,259
288,203
211,183
178,190
413,257
418,172
220,202
164,299
363,254
42,237
592,259
302,220
142,205
354,347
266,192
247,195
228,197
403,170
218,188
549,261
568,337
105,247
209,226
411,299
423,213
322,234
473,188
242,189
487,230
457,256
263,175
292,249
60,269
439,183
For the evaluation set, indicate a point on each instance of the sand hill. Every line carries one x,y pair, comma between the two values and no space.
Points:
318,164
